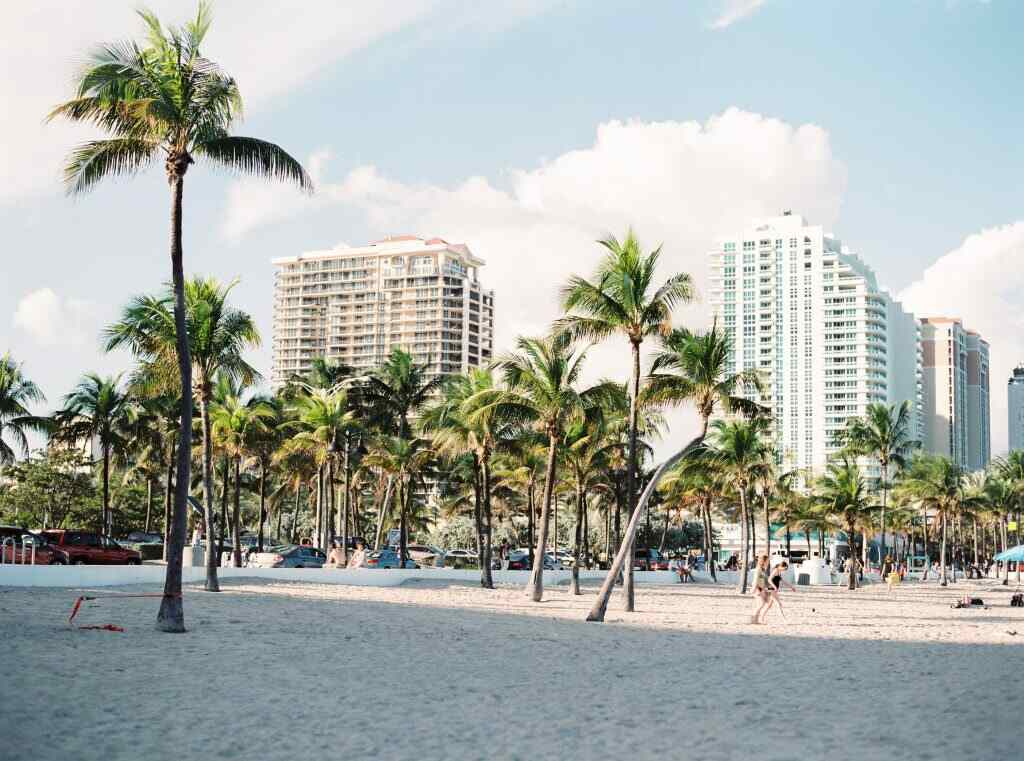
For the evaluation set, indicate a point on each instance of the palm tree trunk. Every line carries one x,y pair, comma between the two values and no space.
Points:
942,552
478,519
885,502
486,579
664,532
597,612
404,498
294,528
212,584
535,587
382,510
171,617
236,516
852,581
346,503
752,533
530,516
767,524
924,541
631,476
263,505
105,520
226,462
744,541
168,500
574,584
586,531
149,502
710,558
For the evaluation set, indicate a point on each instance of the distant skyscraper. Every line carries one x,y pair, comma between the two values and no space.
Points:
957,415
355,305
1015,409
809,315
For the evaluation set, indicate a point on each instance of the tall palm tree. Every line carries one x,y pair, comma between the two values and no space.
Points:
454,428
689,368
623,299
883,434
738,455
264,442
407,459
165,100
936,483
96,408
16,393
541,391
396,390
843,494
218,336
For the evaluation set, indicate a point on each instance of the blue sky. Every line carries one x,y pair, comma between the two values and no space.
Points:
896,123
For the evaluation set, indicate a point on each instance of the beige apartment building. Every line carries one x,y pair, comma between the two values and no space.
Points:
957,415
354,305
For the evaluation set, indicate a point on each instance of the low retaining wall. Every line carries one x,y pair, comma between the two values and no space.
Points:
116,575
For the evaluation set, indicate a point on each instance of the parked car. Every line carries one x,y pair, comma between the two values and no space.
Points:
88,547
288,556
426,554
521,559
459,558
19,543
143,537
649,560
386,558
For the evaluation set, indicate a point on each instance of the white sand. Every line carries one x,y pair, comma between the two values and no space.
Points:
432,671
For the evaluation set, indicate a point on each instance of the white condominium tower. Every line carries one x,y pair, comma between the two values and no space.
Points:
354,305
956,392
808,314
1015,409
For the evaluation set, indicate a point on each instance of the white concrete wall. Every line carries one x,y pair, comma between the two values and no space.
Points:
76,576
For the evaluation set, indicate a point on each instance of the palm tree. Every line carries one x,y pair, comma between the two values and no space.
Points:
936,483
842,493
622,300
884,434
16,393
690,368
166,101
96,408
738,455
455,430
541,380
407,459
1011,468
262,445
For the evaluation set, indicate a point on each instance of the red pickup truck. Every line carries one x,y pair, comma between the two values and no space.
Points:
17,548
84,547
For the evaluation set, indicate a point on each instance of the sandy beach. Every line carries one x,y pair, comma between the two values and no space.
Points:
433,670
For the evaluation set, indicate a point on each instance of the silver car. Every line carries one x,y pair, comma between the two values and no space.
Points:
288,556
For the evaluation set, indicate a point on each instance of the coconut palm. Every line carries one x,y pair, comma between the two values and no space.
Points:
541,391
97,408
165,100
738,454
622,299
263,443
882,434
16,393
218,335
407,460
842,493
396,390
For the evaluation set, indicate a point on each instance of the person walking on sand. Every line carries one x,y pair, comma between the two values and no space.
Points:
762,591
775,583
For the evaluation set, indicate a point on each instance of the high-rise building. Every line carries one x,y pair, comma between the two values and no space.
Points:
354,305
1015,409
958,424
809,315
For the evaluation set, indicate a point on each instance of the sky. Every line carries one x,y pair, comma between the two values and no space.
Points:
528,129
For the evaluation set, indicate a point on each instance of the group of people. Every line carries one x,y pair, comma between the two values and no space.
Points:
336,557
767,585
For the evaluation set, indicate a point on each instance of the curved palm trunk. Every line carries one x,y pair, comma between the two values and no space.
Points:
294,528
236,516
212,584
535,587
634,401
171,617
388,491
486,579
149,505
600,607
530,529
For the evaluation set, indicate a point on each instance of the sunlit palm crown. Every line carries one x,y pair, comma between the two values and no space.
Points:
164,100
16,393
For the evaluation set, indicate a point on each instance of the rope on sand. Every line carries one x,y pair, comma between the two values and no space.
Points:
109,627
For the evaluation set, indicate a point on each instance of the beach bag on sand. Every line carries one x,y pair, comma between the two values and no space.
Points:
1017,601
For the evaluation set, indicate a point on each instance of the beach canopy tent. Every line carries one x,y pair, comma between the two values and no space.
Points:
1014,554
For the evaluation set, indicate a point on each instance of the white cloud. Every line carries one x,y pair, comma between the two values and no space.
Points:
732,11
270,48
981,282
678,183
54,321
